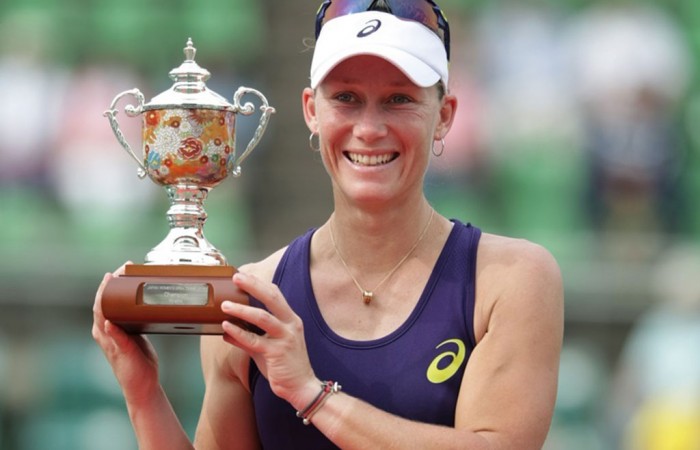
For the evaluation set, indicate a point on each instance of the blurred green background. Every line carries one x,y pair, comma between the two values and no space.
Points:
578,128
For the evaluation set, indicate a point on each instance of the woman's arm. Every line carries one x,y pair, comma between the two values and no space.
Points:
227,420
135,366
510,383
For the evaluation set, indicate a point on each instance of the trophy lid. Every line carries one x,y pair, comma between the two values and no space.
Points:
189,90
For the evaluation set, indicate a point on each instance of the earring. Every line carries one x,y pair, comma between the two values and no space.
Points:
442,148
314,148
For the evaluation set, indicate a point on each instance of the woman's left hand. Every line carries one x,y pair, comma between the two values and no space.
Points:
280,353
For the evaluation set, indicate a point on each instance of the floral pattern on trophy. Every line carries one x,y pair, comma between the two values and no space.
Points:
185,143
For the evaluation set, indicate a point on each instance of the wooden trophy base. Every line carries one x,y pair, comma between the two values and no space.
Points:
177,299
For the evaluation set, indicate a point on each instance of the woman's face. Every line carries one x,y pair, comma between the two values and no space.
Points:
376,128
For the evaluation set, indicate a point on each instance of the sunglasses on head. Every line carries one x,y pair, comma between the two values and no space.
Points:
426,12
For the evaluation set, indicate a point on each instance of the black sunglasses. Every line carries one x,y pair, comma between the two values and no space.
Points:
426,12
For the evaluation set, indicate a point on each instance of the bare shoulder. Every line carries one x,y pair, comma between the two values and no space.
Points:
517,275
265,268
516,257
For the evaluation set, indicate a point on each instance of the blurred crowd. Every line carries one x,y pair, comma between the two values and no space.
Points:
578,128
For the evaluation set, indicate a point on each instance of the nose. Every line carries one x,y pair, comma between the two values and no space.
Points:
370,124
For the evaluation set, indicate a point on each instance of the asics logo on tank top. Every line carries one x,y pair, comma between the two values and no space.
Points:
370,27
446,364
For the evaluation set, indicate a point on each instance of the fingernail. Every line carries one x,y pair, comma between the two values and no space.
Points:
226,305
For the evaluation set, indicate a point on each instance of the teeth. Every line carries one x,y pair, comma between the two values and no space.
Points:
366,160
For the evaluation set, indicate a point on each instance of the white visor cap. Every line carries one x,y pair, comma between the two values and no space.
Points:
411,46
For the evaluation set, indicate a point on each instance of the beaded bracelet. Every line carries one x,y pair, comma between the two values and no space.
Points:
328,388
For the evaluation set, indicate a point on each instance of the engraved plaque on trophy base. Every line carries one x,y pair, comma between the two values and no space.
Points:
177,299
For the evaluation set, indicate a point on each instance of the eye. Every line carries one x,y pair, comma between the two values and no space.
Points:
344,97
400,99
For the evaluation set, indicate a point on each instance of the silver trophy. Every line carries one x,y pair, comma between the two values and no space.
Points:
189,147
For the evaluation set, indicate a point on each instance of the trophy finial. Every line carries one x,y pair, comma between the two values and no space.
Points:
189,71
190,51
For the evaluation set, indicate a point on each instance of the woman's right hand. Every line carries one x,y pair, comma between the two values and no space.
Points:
132,357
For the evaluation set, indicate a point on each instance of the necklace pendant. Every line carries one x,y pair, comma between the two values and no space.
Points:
367,297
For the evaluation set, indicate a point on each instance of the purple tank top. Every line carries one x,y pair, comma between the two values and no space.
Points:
415,372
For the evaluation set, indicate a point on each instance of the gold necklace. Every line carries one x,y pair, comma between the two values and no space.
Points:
367,296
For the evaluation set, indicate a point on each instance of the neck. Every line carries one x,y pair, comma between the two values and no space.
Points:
368,293
384,236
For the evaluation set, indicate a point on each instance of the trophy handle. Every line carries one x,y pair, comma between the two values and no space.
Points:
248,109
130,111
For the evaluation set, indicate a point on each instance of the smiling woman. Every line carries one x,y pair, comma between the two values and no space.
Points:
376,128
454,338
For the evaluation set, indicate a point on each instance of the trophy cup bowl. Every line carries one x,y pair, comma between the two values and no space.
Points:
188,147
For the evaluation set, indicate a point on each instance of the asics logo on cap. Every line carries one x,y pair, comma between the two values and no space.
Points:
370,27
